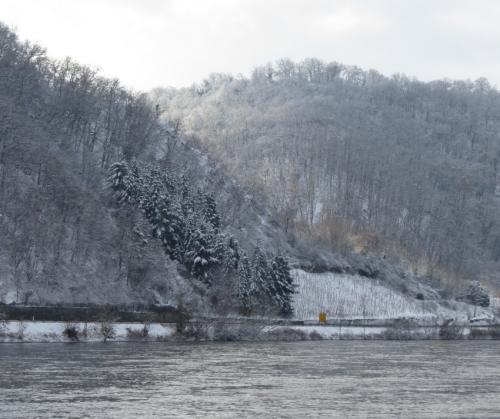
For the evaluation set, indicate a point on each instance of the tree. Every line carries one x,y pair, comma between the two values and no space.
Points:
477,295
260,273
245,286
210,211
282,287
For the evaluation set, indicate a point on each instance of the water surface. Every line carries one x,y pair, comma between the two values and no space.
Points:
358,379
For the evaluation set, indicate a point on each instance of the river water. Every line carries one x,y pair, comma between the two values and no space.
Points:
345,379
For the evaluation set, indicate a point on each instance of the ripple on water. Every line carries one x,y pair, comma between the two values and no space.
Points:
301,379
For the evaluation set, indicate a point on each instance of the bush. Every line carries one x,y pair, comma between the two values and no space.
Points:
21,327
286,334
403,329
71,332
479,333
477,295
494,332
451,331
420,296
227,332
138,333
491,332
315,335
107,331
195,330
3,324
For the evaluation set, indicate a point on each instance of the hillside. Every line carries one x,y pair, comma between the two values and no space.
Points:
357,161
66,234
205,198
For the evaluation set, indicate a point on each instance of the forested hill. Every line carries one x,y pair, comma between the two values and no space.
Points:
358,160
101,202
204,197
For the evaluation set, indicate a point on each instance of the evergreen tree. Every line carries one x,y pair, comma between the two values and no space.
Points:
477,295
231,254
202,250
260,273
245,286
210,211
186,223
282,287
185,196
118,179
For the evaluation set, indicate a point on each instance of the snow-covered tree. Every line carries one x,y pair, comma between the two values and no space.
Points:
282,288
476,294
260,273
246,286
231,254
210,211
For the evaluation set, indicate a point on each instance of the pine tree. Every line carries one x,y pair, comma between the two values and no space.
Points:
231,254
210,211
260,273
186,223
185,196
202,251
477,295
245,286
118,179
282,287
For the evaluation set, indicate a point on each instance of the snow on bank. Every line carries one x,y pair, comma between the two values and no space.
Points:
29,331
350,296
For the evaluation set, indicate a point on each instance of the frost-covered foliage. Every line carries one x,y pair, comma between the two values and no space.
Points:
476,294
357,159
61,124
185,221
64,239
350,296
187,224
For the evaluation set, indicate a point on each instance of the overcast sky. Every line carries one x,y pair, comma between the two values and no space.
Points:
149,43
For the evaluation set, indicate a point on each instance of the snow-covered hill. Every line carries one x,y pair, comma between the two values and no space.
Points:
353,296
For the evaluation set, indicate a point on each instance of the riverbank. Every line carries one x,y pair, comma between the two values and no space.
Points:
51,332
40,331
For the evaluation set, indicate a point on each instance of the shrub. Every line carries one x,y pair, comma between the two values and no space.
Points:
402,329
71,332
479,333
107,331
494,332
450,331
3,324
195,330
286,334
477,295
21,327
420,296
84,333
138,333
227,332
315,335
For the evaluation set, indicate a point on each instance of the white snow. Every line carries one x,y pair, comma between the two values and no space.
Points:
39,331
342,296
351,296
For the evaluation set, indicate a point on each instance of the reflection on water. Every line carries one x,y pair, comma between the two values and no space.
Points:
373,379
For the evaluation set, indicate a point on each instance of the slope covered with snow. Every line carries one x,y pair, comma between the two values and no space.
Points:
353,296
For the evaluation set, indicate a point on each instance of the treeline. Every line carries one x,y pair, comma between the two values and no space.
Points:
187,223
65,239
361,161
61,124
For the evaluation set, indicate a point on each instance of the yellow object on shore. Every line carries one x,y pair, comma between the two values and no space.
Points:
322,317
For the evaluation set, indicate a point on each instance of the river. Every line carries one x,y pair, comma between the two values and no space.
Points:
355,379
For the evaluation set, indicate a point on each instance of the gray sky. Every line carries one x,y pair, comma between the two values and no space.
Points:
149,43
